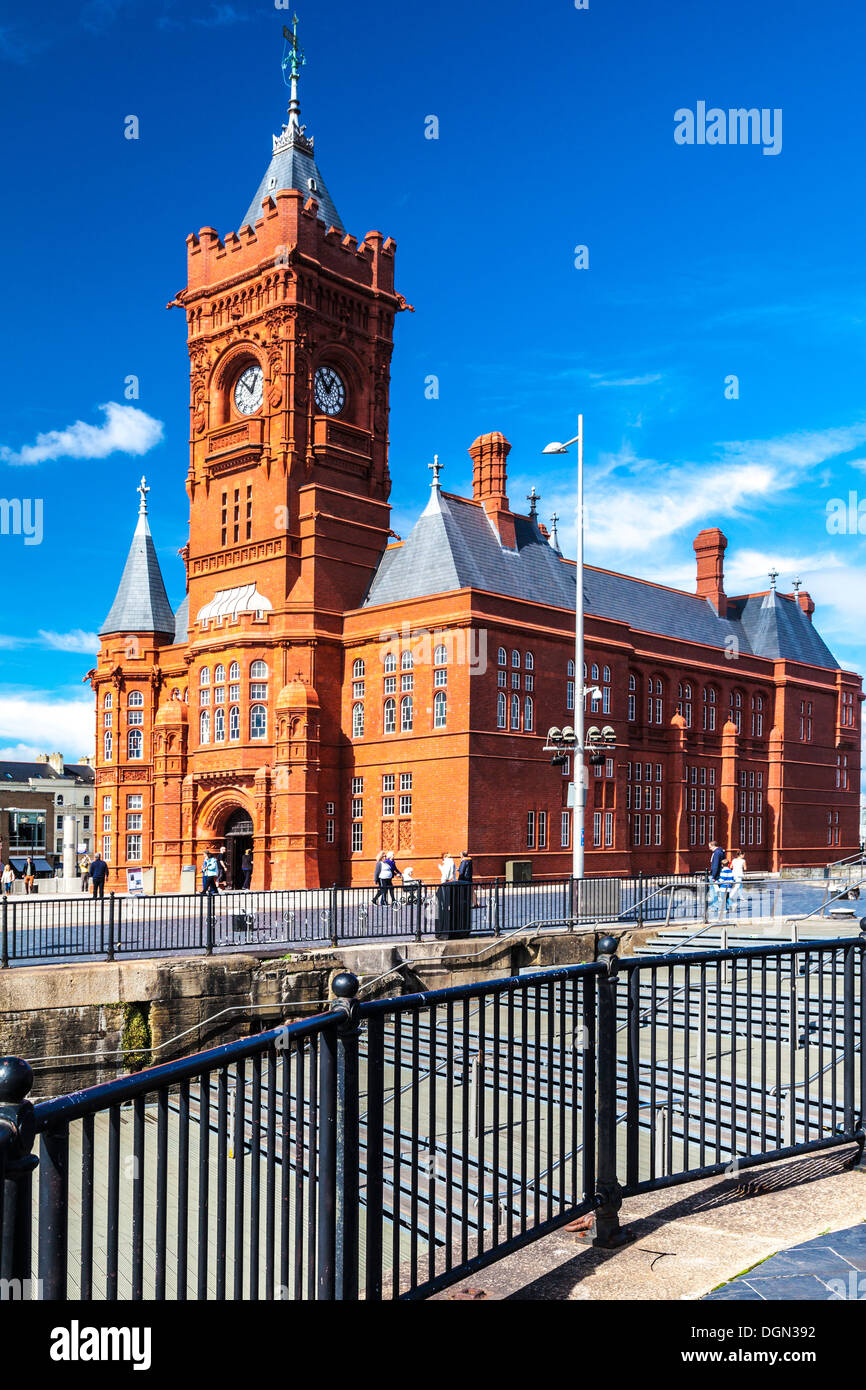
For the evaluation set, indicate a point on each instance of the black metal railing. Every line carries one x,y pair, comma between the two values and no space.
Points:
34,929
388,1148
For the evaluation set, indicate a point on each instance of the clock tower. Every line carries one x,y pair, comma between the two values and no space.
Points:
290,329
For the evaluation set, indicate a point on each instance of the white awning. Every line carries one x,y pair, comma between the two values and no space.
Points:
229,602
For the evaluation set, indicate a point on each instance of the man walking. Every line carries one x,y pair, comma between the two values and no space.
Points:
29,874
247,868
98,875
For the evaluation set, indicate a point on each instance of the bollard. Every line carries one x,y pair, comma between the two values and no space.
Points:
608,1195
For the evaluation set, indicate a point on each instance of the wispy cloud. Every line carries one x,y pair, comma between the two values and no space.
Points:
74,641
603,379
126,430
38,719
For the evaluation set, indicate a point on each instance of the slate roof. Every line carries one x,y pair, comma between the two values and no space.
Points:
141,603
293,165
454,545
44,772
181,621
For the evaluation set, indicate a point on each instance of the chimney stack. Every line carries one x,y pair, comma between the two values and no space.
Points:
806,602
489,453
710,547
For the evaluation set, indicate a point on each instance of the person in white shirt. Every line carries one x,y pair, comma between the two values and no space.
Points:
738,868
447,869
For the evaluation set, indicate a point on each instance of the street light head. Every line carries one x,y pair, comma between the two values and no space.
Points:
595,693
568,734
555,448
554,735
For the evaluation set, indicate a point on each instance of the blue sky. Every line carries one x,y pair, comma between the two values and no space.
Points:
556,130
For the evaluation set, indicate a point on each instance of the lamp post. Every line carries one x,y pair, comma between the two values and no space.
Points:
579,779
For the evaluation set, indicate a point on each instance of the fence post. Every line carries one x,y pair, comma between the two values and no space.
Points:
640,898
496,927
571,902
419,909
333,913
4,944
608,1193
345,989
209,925
110,952
705,914
17,1132
53,1213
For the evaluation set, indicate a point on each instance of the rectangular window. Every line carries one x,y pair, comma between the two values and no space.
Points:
329,831
440,678
357,808
249,511
134,820
407,681
330,808
406,805
390,685
357,691
530,830
387,805
542,830
133,847
501,677
596,829
569,695
566,767
357,786
635,831
106,848
608,767
658,798
658,830
357,837
515,680
565,830
135,803
388,782
608,829
106,823
259,691
529,682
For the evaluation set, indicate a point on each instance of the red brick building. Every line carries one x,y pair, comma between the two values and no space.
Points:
321,693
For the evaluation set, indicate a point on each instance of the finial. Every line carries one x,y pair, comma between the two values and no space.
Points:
533,498
797,583
774,575
142,491
554,538
437,469
294,60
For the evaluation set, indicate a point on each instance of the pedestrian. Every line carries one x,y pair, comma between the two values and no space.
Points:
29,874
411,886
388,871
247,868
738,867
84,870
717,859
211,874
98,875
204,859
223,875
377,869
465,899
447,871
726,883
8,879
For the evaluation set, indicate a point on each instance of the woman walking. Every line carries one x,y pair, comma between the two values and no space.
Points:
726,883
8,879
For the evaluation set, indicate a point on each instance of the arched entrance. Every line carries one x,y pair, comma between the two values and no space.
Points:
237,835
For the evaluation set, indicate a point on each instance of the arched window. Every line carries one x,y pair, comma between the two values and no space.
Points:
407,661
684,702
406,714
571,668
440,709
440,656
390,662
219,674
358,669
757,716
501,711
515,711
234,724
632,697
234,671
594,672
219,726
605,674
389,717
258,721
530,661
135,744
87,801
204,676
108,702
259,671
358,721
527,715
655,704
107,743
502,659
736,710
136,699
708,704
515,658
204,726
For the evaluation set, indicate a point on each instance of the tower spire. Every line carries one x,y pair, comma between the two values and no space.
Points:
294,60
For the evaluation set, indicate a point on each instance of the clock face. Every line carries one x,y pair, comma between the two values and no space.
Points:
249,390
330,391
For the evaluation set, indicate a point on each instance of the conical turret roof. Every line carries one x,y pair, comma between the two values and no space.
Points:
141,603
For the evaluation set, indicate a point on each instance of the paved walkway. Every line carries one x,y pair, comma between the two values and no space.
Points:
690,1240
829,1268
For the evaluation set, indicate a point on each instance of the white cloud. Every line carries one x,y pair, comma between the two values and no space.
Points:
126,430
42,721
602,379
74,641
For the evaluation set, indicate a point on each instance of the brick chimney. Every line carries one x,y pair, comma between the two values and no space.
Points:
710,547
489,453
806,602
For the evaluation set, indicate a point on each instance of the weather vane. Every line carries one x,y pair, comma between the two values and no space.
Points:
295,59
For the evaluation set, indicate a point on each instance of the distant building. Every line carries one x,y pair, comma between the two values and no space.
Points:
34,799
